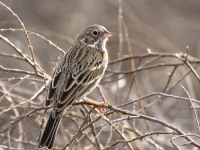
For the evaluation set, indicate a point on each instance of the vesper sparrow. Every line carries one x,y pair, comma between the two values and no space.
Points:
76,75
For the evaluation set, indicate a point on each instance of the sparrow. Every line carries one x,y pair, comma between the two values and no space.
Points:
77,74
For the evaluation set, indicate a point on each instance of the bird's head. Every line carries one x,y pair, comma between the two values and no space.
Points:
95,35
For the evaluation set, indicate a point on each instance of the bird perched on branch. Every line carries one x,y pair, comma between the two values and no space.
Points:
76,75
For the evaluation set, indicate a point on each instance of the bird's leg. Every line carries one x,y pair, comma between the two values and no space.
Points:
101,105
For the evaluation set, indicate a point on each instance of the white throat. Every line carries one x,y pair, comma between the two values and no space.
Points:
104,43
96,44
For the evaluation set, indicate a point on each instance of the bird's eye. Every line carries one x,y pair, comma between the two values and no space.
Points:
94,33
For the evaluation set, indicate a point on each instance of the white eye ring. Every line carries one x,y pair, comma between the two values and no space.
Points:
95,33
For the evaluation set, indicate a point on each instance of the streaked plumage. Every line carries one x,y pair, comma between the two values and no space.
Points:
76,75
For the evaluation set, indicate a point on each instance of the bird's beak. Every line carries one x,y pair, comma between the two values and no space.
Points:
107,34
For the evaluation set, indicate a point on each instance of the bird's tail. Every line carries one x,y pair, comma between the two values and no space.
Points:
48,136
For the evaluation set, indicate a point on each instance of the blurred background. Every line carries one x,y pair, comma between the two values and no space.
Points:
161,26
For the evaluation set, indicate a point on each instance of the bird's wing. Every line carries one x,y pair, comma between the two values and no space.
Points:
79,87
54,82
80,70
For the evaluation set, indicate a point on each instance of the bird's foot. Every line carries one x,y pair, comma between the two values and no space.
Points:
101,105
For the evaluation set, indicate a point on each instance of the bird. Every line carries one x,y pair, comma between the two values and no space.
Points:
77,73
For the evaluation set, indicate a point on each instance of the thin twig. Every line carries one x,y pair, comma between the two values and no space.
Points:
193,107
